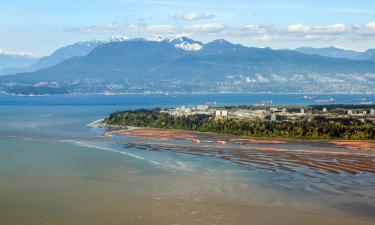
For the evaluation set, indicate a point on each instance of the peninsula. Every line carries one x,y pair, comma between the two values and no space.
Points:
315,122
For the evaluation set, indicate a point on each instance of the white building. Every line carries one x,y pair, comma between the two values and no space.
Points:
221,113
202,107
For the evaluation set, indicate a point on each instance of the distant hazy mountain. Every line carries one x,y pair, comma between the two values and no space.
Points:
141,66
339,53
8,60
369,54
61,54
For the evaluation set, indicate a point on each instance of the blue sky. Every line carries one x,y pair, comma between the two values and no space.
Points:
41,26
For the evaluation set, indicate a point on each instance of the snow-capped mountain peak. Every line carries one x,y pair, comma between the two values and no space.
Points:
118,38
187,44
181,42
87,44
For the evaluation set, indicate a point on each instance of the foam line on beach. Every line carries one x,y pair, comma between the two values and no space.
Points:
91,145
95,123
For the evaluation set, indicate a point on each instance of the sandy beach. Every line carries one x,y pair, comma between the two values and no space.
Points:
170,134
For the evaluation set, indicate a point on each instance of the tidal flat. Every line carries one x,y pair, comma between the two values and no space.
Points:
65,182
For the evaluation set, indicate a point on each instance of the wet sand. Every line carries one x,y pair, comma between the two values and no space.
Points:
170,134
167,134
355,145
158,134
266,154
319,162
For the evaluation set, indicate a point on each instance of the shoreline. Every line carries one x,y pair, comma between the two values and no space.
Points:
175,134
185,93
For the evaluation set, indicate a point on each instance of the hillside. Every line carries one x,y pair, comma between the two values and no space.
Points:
12,60
61,54
140,66
339,53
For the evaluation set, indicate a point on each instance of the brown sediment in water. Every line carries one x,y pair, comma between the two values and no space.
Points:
355,145
158,134
168,134
319,162
343,156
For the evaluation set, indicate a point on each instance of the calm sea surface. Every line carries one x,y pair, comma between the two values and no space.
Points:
55,169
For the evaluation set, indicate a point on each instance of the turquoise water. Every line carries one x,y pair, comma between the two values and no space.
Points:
54,169
67,115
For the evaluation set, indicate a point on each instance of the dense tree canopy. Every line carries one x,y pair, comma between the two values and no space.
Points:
317,128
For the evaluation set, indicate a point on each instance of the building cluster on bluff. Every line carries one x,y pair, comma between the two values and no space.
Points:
271,113
190,110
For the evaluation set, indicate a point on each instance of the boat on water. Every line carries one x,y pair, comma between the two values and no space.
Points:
324,100
264,102
365,103
309,97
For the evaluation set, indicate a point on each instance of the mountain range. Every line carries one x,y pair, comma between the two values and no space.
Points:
184,65
339,53
61,54
9,59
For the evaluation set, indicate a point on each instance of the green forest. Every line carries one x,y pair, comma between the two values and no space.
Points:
316,128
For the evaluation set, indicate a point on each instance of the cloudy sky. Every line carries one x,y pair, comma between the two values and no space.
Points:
41,26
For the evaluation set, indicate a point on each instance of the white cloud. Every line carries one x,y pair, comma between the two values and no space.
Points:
147,30
162,28
258,29
297,28
22,54
94,29
295,32
207,28
334,28
118,38
124,29
300,32
370,25
191,16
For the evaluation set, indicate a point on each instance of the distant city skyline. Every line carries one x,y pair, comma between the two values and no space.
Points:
42,26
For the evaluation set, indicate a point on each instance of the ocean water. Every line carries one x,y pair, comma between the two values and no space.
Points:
55,169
